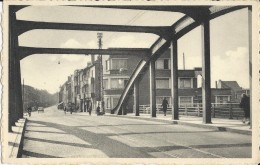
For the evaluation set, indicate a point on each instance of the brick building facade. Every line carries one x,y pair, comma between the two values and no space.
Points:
117,69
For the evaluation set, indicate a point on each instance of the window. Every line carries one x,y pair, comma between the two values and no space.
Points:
118,64
162,83
118,83
107,65
108,103
166,64
185,83
222,99
115,101
185,101
162,64
105,84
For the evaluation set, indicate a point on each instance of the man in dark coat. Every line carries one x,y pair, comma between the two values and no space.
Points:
245,104
164,105
89,107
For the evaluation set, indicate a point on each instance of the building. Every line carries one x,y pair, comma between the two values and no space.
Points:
117,70
116,73
236,90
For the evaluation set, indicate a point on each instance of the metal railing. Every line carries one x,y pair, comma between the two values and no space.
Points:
218,110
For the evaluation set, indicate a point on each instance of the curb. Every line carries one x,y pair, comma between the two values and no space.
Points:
17,150
207,126
19,154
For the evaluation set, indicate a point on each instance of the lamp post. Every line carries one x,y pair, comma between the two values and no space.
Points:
99,36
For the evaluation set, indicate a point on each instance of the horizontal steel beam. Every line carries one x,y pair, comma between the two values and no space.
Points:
23,26
26,51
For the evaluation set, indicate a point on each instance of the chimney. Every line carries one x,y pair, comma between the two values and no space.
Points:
216,84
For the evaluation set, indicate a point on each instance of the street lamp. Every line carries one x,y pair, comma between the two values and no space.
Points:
99,36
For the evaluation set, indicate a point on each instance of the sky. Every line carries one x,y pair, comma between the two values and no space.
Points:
229,42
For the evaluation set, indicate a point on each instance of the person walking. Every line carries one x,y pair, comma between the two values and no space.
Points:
64,108
29,110
98,109
103,107
71,109
245,104
89,107
164,105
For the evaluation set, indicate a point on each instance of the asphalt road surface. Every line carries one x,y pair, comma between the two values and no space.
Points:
53,134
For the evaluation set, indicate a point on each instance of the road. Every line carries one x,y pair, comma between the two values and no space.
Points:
53,134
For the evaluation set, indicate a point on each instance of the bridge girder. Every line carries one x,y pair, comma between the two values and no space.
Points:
24,26
193,18
26,51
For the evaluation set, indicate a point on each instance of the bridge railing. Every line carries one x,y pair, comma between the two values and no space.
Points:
218,110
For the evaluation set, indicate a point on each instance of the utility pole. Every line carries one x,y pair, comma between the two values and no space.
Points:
99,36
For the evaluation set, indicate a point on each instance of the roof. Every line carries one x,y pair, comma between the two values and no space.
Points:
230,84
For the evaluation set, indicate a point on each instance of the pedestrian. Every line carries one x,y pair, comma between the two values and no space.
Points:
71,109
89,107
245,104
85,106
164,105
103,107
98,109
29,110
64,108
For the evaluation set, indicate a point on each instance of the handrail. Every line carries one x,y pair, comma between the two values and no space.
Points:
227,110
129,84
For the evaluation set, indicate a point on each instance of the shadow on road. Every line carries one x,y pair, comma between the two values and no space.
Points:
100,142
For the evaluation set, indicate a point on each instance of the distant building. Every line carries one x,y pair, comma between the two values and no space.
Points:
236,90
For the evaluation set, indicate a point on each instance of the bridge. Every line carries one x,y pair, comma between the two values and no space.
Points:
168,36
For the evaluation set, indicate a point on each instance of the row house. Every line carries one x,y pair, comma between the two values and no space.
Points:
65,93
117,69
82,87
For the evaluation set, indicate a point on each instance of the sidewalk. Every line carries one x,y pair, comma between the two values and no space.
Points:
229,125
15,139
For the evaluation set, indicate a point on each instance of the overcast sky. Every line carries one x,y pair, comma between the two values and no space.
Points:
229,42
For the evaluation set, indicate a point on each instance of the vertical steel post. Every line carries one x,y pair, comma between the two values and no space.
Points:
206,88
174,82
100,35
136,98
12,98
152,89
19,89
